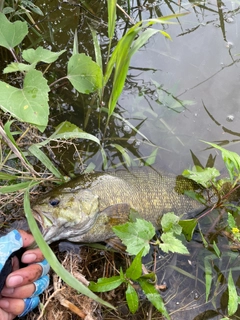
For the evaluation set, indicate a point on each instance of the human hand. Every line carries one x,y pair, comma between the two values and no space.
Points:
22,287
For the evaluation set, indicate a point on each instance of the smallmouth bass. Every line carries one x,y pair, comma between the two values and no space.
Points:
86,208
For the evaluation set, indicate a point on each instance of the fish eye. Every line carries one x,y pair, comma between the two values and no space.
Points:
54,202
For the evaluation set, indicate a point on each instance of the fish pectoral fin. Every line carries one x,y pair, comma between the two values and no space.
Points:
116,244
117,213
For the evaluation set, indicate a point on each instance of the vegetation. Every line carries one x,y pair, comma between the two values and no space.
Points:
25,110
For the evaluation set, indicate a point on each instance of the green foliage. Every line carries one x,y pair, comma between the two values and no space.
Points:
11,34
29,104
206,177
135,235
133,273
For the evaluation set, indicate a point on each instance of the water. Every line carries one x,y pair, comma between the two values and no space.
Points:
177,92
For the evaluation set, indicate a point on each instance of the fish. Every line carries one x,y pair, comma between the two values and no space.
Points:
86,208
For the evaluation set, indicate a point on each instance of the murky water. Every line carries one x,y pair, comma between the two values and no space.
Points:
177,92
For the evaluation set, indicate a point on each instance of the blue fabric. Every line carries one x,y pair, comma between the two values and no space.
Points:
8,244
45,267
30,304
11,243
41,284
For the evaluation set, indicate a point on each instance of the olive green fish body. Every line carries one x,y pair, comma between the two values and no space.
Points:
86,208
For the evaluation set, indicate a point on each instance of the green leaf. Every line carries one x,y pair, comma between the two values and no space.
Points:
84,74
152,158
34,56
7,176
135,270
135,235
188,227
45,161
17,66
123,152
17,187
171,243
230,158
106,284
51,258
111,17
29,104
231,221
11,34
208,276
66,127
153,296
216,249
232,296
169,223
132,298
202,176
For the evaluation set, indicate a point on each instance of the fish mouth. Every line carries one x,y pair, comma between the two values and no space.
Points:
42,221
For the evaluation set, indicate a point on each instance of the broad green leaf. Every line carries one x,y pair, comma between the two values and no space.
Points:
17,66
142,40
45,161
169,222
84,74
135,235
232,295
208,276
34,56
66,127
188,227
106,284
153,296
11,34
171,243
135,270
202,176
51,258
132,298
29,104
111,17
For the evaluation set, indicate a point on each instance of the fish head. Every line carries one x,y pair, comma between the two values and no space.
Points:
66,214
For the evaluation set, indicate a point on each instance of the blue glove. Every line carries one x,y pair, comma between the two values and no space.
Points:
10,246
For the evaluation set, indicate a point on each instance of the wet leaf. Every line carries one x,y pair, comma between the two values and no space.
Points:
106,284
153,296
231,160
170,222
84,74
202,176
124,153
135,270
132,298
17,66
231,221
232,295
34,56
29,104
135,235
188,227
208,276
11,34
171,243
216,249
